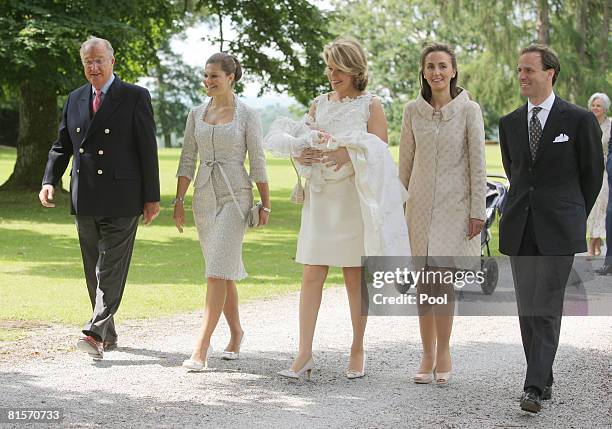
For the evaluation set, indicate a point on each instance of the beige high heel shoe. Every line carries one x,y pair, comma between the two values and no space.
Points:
443,378
306,369
193,365
425,377
352,373
227,355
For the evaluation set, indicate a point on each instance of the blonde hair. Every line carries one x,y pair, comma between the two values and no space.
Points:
350,58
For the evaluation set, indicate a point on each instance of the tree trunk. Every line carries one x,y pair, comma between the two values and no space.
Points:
220,31
162,109
37,131
543,22
581,28
605,33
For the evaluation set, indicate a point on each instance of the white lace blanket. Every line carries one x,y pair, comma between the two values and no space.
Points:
381,194
288,137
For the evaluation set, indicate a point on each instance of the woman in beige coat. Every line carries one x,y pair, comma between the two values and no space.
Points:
442,165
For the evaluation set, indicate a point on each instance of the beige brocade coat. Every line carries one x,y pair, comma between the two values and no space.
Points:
442,165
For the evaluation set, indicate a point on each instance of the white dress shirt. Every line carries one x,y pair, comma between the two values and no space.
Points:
543,114
104,88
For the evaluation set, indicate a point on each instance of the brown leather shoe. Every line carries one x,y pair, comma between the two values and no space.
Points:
91,346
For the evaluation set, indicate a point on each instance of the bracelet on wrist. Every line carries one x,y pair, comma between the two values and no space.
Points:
177,200
266,209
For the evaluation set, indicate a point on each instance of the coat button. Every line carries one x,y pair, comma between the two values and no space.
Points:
526,208
106,131
99,171
531,188
100,152
77,171
78,130
81,150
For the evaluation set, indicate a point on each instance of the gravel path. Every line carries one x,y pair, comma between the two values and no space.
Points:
142,384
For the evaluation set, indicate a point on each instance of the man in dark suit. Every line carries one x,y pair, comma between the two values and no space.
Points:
606,270
107,126
551,151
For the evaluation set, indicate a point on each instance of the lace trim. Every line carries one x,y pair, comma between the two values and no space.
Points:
338,110
346,99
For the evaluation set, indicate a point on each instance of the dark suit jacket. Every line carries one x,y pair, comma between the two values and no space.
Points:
609,164
115,168
559,188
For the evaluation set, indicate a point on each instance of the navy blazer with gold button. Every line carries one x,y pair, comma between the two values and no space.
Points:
115,167
559,188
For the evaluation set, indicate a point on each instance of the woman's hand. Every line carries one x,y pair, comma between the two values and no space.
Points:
474,227
336,158
179,216
309,156
264,217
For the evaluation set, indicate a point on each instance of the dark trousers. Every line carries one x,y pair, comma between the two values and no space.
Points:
608,260
106,248
539,282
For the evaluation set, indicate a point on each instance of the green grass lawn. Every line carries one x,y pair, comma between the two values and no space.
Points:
41,277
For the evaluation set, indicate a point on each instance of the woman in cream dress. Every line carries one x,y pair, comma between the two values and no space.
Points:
442,165
599,103
221,133
332,231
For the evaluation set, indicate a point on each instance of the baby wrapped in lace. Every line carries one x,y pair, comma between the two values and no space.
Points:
288,137
381,194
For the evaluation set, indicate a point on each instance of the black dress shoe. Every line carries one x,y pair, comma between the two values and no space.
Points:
547,393
606,270
531,400
110,345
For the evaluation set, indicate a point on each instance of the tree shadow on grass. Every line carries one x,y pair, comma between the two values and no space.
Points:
175,260
20,207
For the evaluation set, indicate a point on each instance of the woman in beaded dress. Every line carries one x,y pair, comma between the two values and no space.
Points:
221,133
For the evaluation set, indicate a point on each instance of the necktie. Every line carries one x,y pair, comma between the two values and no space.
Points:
97,100
535,132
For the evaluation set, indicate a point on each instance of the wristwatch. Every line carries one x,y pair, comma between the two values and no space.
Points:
178,200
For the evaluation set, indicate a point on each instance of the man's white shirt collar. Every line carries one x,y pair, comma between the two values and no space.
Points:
546,105
105,87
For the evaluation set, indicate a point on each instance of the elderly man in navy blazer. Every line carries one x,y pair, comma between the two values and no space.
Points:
107,126
551,151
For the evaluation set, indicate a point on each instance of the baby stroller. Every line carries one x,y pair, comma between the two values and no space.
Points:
496,197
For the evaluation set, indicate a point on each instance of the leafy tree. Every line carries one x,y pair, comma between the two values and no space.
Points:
176,86
39,50
279,41
487,36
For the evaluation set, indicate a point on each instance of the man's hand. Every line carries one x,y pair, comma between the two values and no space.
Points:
150,212
46,195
